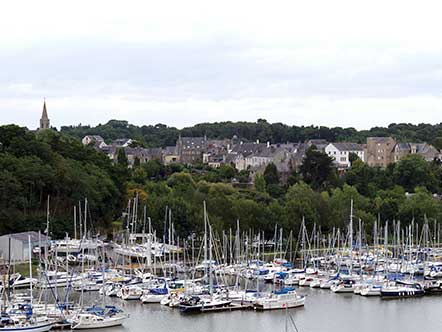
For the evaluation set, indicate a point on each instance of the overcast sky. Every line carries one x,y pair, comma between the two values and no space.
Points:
335,63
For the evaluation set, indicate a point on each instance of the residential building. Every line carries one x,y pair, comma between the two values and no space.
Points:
341,152
96,140
380,151
320,144
170,155
122,142
425,150
191,149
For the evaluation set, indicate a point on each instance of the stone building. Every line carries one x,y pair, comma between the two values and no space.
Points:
380,151
191,149
427,151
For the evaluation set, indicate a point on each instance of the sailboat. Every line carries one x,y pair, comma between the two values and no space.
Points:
99,316
202,303
26,320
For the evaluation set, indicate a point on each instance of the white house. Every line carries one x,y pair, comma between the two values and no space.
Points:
97,140
340,152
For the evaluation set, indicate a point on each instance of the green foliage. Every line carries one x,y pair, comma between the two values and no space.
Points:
260,183
122,158
413,171
317,169
34,166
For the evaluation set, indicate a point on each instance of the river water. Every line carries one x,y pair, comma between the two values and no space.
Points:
323,311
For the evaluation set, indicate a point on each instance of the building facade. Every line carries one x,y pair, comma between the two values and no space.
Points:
341,153
380,151
191,149
425,150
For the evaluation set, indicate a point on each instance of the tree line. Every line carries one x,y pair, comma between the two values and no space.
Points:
161,135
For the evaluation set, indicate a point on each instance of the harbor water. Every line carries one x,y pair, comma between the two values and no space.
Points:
324,311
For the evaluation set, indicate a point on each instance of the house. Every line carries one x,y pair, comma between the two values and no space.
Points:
96,140
170,155
142,154
341,152
191,149
122,142
427,151
214,160
380,151
247,155
18,244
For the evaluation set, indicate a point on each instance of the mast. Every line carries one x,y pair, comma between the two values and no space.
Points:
350,230
205,239
75,222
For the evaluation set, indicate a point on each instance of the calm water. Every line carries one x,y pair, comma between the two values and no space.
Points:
324,311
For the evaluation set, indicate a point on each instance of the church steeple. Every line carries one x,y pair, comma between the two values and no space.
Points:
44,121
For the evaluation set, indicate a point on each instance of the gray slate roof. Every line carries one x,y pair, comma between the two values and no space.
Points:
348,146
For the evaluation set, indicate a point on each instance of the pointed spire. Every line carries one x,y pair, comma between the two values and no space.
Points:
44,121
45,112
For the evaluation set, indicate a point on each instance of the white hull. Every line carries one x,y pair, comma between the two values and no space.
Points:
272,304
84,324
153,298
41,327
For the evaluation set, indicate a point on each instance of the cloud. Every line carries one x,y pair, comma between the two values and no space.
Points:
330,63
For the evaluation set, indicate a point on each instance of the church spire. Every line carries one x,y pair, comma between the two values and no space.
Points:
44,121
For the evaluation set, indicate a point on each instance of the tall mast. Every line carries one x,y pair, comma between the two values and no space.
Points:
350,230
30,267
205,239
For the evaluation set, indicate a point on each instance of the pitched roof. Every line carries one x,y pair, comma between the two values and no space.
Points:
342,146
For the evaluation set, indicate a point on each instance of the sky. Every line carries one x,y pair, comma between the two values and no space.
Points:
334,63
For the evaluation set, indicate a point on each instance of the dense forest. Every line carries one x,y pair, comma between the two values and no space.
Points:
38,165
161,135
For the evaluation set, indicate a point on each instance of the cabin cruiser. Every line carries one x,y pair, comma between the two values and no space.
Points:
154,295
346,285
130,292
281,299
401,289
194,304
53,279
98,317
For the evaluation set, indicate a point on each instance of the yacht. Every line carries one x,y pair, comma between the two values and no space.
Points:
282,299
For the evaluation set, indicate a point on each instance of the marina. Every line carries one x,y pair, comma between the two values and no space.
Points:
339,277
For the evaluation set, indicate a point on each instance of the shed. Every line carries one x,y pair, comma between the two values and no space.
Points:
19,245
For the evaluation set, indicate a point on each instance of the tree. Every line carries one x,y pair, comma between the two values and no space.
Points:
317,169
301,202
137,162
437,142
353,157
260,183
412,171
271,175
122,158
226,172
